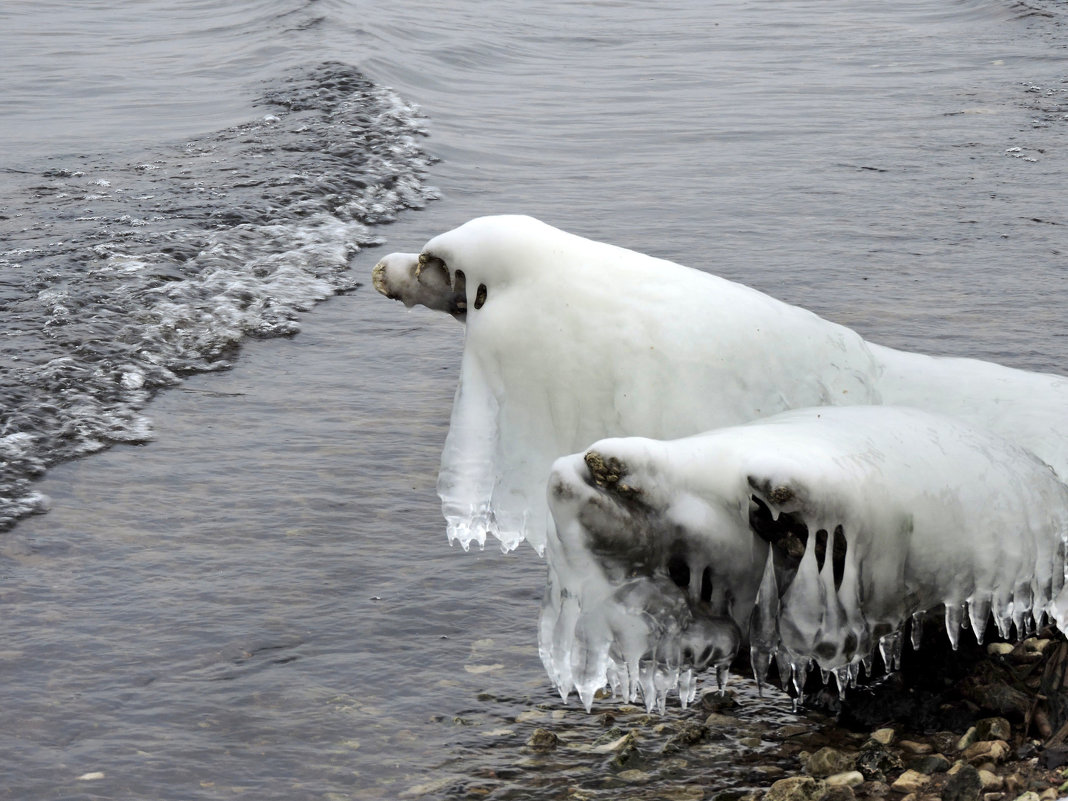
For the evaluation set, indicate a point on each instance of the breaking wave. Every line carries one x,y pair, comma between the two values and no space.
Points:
119,276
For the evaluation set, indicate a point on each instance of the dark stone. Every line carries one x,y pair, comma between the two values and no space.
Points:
993,729
875,762
964,785
838,792
543,740
1054,757
690,734
929,765
716,702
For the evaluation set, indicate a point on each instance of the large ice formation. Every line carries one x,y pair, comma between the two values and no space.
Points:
569,341
814,534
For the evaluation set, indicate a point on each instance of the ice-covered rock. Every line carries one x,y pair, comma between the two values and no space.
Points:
569,341
816,532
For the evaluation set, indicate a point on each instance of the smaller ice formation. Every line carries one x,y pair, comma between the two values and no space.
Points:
569,341
814,535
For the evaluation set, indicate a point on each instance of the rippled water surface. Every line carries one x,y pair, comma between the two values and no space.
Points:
252,597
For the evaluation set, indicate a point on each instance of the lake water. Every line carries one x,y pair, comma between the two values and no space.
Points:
252,597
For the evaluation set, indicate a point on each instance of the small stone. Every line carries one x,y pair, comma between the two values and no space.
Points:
883,736
796,788
909,782
990,781
932,763
1030,795
999,649
1035,645
875,762
714,701
750,742
944,742
914,747
543,740
987,751
968,738
634,776
687,735
963,784
789,730
850,778
92,776
837,792
1048,794
993,729
1015,783
828,761
874,789
626,754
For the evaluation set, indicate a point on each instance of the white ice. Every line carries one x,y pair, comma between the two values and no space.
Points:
569,341
815,533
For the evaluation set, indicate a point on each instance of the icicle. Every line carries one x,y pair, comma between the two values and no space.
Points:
1002,608
687,687
854,673
785,668
842,679
723,676
917,631
1021,609
647,682
978,614
866,661
954,618
890,650
763,628
760,659
800,674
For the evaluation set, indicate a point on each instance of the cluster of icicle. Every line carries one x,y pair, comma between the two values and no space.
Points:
818,558
818,532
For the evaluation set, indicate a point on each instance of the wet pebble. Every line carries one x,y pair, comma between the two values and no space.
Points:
849,778
796,788
909,782
987,751
543,740
993,729
828,761
932,763
883,736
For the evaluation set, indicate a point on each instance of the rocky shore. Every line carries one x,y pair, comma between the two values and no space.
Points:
1002,737
982,723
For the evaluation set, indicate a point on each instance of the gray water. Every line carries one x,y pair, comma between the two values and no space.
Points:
253,598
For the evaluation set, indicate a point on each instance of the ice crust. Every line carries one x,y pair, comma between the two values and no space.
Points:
569,341
816,534
840,488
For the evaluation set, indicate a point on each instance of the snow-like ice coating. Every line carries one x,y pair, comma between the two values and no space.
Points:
569,341
814,534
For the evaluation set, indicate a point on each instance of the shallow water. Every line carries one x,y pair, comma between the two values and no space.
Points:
258,601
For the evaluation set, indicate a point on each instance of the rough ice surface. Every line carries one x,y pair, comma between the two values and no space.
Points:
814,535
569,341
